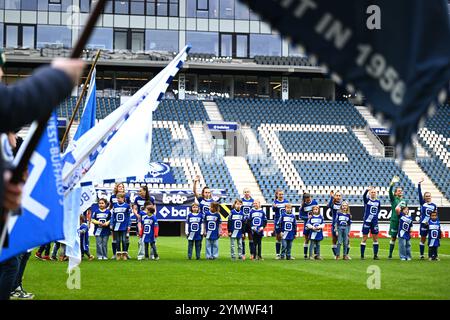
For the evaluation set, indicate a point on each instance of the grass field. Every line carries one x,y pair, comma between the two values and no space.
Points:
175,277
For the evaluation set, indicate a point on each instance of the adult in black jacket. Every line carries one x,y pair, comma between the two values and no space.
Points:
20,104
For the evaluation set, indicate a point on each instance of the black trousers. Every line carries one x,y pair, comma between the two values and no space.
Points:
257,244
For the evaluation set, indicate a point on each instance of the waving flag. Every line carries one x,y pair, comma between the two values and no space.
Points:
88,118
41,220
395,52
103,153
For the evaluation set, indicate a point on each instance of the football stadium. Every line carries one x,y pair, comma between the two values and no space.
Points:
233,150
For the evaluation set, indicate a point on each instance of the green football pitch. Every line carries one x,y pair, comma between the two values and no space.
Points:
175,277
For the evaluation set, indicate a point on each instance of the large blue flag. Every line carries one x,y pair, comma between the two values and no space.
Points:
88,118
42,215
397,53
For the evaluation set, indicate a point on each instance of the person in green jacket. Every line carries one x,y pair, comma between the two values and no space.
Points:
397,201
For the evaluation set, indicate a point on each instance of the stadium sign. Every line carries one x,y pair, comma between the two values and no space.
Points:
158,172
381,131
222,126
172,213
358,213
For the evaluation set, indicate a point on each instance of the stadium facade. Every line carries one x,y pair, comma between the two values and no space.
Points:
283,103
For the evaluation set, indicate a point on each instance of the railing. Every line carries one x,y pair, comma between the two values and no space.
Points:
379,145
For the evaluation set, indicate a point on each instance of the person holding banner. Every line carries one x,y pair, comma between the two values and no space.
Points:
20,104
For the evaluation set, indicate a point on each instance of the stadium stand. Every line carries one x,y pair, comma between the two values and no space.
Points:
435,138
312,138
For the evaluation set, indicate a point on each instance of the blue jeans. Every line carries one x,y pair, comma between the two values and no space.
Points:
233,247
314,248
8,275
404,248
198,248
342,239
102,246
286,246
212,249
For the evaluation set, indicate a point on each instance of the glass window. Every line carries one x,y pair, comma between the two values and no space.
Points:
226,43
151,8
137,7
120,40
85,6
254,16
28,36
137,41
227,9
53,34
43,5
12,35
101,38
265,45
202,5
173,8
214,9
191,8
12,4
1,34
54,5
161,40
29,5
241,12
121,7
108,7
65,5
161,8
242,46
203,42
2,4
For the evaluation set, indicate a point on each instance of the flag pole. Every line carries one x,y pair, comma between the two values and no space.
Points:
77,106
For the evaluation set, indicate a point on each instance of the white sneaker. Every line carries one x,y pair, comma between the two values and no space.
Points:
139,258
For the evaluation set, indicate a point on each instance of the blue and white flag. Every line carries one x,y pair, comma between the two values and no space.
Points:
42,215
88,117
103,153
395,52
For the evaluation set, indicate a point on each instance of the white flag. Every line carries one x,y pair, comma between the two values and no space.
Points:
108,136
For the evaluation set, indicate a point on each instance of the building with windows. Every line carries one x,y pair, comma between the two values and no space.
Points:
130,32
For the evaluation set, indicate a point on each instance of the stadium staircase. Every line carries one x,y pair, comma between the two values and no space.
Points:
415,173
373,146
367,115
213,111
201,138
250,135
243,177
